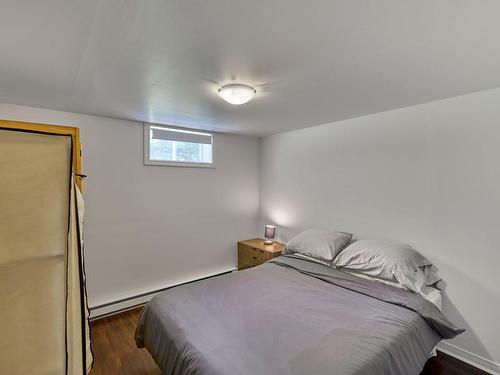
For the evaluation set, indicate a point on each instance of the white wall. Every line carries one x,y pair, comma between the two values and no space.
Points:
148,227
428,175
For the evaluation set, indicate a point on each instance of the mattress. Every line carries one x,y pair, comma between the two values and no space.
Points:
290,316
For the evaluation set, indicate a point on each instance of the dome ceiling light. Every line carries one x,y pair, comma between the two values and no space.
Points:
237,93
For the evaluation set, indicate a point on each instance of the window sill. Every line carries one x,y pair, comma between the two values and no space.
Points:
181,164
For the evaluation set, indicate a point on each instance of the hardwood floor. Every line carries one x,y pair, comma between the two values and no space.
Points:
115,351
444,364
114,347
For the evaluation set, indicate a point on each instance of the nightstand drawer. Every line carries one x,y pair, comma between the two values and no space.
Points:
251,253
248,254
244,266
265,256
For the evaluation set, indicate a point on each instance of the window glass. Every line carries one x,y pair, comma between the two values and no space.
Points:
171,146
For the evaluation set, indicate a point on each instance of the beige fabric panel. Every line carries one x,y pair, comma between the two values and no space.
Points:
34,203
80,207
74,301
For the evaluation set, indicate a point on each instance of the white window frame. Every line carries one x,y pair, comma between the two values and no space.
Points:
173,163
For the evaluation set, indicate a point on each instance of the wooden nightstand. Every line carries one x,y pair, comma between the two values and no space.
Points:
251,253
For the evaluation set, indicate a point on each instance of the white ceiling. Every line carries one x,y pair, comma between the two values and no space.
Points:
312,62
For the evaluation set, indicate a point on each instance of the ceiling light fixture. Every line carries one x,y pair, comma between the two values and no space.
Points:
237,93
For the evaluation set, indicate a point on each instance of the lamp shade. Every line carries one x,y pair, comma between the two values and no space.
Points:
270,231
237,93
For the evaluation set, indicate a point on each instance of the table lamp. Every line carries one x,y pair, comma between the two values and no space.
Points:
269,233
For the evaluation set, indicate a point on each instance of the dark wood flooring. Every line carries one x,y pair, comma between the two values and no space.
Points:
114,347
115,351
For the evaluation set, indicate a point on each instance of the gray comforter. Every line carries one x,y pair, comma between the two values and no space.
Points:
290,316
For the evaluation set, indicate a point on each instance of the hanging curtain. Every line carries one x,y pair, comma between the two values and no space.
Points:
43,314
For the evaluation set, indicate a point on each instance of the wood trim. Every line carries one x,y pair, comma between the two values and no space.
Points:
53,129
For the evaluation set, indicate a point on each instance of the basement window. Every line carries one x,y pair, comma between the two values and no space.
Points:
177,147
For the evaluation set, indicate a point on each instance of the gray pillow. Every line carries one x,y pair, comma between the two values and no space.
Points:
388,261
320,244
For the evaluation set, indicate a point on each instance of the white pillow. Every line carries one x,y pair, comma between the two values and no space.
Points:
320,244
385,260
430,293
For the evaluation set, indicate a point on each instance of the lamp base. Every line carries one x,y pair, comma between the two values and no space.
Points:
268,242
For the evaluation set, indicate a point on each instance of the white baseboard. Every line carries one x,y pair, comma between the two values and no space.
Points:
118,307
470,358
115,307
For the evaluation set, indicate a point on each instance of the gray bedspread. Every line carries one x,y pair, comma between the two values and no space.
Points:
290,316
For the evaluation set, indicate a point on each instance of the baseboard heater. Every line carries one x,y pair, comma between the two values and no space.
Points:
132,302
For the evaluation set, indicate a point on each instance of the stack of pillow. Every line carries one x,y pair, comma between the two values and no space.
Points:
388,262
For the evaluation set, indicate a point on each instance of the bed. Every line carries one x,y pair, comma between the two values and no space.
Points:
290,316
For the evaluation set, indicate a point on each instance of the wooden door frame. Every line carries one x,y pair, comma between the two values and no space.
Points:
53,129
